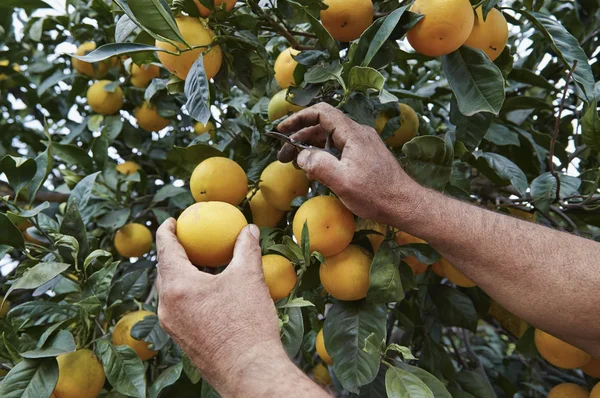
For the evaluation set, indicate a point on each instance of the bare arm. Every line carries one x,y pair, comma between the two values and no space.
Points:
227,323
547,277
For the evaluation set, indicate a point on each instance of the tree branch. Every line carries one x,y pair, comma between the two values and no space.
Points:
558,211
556,128
41,196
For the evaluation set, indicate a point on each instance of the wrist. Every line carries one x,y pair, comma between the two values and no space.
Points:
406,210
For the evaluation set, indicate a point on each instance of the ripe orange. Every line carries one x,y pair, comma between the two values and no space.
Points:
446,26
438,269
330,224
321,374
454,275
320,347
209,127
264,214
219,179
148,118
346,20
102,101
346,275
205,12
96,70
595,391
141,76
592,368
559,353
285,66
280,183
80,374
196,33
133,240
129,167
122,334
402,238
280,107
490,35
409,125
280,275
208,231
568,390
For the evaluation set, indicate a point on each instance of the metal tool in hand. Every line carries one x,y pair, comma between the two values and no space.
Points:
300,145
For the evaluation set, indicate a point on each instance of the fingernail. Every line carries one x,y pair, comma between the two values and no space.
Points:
301,159
255,231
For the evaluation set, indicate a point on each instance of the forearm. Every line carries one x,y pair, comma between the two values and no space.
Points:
547,277
268,373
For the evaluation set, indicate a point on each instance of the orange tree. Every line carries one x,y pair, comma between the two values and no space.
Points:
98,146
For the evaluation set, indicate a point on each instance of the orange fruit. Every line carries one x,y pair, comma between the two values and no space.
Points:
208,232
280,107
285,66
80,374
95,70
454,275
559,353
346,20
205,12
330,224
595,391
346,275
320,347
409,125
280,183
142,75
280,275
133,240
129,167
148,118
209,127
403,238
263,213
102,101
196,33
568,390
490,35
446,26
321,374
219,179
122,334
592,368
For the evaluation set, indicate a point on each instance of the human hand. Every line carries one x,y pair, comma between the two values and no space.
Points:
368,178
223,322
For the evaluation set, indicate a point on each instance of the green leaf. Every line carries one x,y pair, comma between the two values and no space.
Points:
115,219
295,303
454,307
590,126
470,130
543,189
504,168
347,325
123,367
30,379
385,284
197,92
166,192
499,134
437,387
110,50
9,234
476,82
305,240
156,15
321,74
208,391
61,343
323,36
428,159
124,28
566,47
132,285
292,331
383,33
190,370
44,163
475,383
73,225
18,171
150,331
25,4
401,384
167,378
113,125
531,78
364,78
36,276
73,156
83,190
53,80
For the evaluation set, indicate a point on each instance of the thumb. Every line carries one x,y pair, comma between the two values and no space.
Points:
247,255
322,166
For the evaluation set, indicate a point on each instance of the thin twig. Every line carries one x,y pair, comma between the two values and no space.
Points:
456,352
580,149
151,295
556,128
558,211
